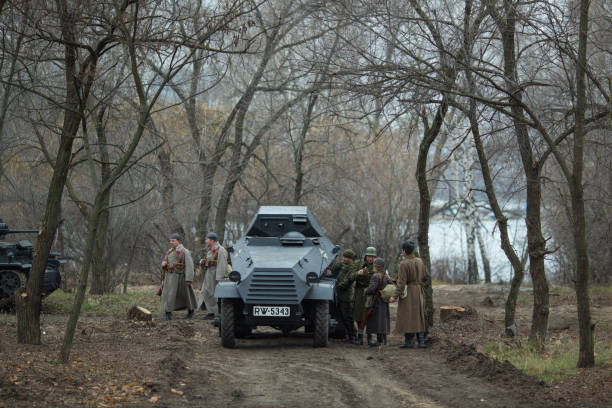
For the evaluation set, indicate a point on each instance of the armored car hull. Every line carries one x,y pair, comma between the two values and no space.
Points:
15,263
277,277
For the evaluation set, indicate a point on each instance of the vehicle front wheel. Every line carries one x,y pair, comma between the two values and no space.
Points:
10,282
228,335
320,324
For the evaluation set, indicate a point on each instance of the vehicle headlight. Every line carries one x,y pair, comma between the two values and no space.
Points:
311,278
234,276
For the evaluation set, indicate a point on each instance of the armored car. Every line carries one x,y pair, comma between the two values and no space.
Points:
277,277
15,263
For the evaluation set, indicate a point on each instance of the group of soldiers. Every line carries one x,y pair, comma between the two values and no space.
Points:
361,307
178,272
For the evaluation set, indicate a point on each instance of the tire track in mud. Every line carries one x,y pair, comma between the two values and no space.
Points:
274,371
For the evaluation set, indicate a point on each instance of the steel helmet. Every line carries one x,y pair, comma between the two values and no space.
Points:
370,251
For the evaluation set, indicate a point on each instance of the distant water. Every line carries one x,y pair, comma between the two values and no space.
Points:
447,239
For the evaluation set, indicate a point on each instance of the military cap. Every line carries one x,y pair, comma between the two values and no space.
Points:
408,246
176,236
379,262
213,236
349,253
370,251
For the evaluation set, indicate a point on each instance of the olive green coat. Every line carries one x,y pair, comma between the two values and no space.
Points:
411,309
361,284
345,280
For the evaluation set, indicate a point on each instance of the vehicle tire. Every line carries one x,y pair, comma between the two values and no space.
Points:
10,282
228,335
320,324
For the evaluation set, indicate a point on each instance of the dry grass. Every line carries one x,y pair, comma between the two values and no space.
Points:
60,302
556,363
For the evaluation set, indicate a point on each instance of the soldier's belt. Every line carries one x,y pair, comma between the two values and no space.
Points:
177,268
212,262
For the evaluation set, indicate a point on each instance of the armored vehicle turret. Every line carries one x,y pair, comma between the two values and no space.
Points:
15,263
277,277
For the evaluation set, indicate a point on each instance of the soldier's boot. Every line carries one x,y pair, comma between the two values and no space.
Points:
379,339
371,341
408,341
355,340
421,337
189,314
359,339
168,315
384,336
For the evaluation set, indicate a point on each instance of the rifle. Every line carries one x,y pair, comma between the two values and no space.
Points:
363,322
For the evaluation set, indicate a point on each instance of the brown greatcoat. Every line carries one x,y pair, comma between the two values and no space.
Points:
411,309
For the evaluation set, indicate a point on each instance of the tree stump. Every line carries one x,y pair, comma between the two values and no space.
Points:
139,313
451,312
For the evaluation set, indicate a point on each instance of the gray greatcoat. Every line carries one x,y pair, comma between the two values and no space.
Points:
217,257
176,294
379,321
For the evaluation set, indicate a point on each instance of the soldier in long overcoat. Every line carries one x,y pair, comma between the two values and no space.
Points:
214,266
362,281
177,267
409,291
379,321
344,272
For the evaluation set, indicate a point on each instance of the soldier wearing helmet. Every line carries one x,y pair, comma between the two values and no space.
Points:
362,281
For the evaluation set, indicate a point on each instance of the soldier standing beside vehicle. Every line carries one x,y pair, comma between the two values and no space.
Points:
177,268
344,273
362,281
214,266
409,290
379,321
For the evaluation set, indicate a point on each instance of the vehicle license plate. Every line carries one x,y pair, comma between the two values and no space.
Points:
271,311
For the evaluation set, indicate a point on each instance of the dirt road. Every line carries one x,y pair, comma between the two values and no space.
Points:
181,363
269,370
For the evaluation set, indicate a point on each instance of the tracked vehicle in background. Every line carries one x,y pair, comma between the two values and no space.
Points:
277,277
15,264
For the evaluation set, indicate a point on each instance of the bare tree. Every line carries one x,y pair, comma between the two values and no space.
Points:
80,73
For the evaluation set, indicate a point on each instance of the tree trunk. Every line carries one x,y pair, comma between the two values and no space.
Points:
7,90
208,172
537,250
94,222
586,356
100,282
167,191
130,263
28,302
299,149
472,269
502,220
535,241
483,254
429,136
